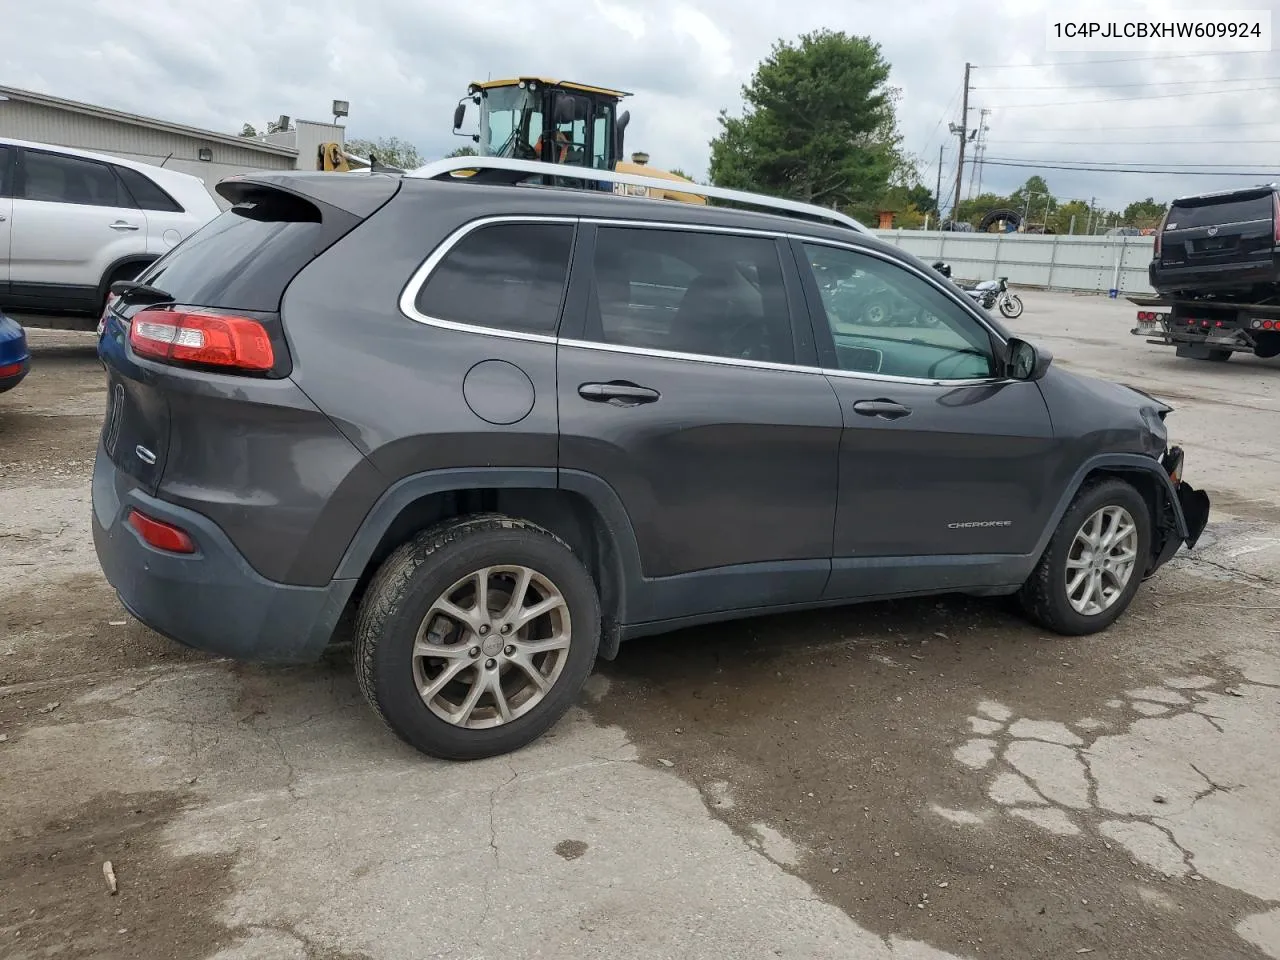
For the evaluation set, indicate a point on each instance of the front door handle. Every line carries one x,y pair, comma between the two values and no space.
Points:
124,225
884,409
620,393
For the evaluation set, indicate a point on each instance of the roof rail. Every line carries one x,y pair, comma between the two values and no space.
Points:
441,169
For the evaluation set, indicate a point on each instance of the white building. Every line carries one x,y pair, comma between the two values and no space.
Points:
26,115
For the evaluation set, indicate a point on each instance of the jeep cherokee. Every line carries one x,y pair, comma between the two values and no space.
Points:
507,427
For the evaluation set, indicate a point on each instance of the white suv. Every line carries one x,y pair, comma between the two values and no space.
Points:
73,222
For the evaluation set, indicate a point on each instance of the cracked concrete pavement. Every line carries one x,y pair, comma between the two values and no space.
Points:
923,779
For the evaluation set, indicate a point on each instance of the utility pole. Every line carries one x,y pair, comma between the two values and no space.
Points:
963,134
981,149
937,191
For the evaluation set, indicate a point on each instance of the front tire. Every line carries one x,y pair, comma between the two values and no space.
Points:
476,636
1094,563
1011,306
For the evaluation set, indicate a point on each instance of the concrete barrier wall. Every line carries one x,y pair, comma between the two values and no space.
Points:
1051,262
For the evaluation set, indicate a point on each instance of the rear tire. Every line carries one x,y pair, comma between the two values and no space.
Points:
426,599
1055,597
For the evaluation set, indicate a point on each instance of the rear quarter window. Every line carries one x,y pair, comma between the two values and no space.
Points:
1232,211
509,276
146,193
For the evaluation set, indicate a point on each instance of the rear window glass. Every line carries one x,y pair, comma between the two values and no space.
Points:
1230,211
244,258
146,193
510,276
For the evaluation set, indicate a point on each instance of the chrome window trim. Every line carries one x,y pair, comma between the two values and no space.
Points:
409,295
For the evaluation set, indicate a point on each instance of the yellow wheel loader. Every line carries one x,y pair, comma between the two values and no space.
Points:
574,125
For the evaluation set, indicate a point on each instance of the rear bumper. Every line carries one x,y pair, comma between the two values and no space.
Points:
1219,276
213,599
11,380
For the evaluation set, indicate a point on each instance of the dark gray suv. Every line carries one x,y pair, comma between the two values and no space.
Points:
507,427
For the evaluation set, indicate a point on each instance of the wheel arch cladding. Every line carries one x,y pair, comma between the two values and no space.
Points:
416,503
1146,476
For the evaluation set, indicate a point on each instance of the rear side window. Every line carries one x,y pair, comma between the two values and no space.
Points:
712,294
146,193
54,178
1209,214
509,276
244,258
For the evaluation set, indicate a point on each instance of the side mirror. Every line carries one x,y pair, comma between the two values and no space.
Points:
1024,361
620,134
459,113
570,108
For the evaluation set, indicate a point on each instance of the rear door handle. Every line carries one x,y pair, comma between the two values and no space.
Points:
620,393
124,225
884,409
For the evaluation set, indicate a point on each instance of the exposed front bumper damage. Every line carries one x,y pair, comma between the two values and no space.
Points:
1185,515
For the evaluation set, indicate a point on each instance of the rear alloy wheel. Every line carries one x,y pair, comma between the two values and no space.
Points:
1095,562
476,636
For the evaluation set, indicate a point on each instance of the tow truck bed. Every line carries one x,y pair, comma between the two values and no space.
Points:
1209,329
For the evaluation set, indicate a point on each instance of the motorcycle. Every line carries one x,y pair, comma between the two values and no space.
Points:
989,293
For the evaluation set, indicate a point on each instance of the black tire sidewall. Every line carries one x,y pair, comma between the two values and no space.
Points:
1109,493
392,674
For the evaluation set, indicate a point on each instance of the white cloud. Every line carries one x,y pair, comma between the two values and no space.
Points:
404,63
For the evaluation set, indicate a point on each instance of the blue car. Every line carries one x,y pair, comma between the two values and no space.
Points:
15,361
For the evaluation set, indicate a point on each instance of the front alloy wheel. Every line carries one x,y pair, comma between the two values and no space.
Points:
1101,560
1095,561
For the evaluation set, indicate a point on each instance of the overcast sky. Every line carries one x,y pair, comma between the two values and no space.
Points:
403,64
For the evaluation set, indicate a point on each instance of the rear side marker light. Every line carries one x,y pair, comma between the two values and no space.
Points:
162,536
10,370
233,343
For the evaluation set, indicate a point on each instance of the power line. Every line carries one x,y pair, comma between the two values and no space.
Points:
1145,83
1164,126
1133,143
1177,173
1129,163
1072,63
1158,96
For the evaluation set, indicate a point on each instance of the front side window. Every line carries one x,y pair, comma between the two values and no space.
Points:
712,294
510,276
54,178
885,319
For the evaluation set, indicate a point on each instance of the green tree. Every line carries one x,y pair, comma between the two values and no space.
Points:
462,152
680,173
1034,190
248,130
392,151
972,211
1060,219
922,198
819,124
1143,213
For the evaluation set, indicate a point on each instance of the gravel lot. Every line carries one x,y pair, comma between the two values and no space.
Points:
922,779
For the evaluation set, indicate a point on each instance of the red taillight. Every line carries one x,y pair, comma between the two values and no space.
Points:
1267,324
1219,323
10,370
235,343
162,536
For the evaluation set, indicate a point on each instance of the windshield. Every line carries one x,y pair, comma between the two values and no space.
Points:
511,123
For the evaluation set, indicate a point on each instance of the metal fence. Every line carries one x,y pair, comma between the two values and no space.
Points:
1052,262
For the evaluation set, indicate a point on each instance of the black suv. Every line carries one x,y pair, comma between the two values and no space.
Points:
508,427
1220,244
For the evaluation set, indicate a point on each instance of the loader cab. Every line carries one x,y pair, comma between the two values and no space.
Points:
546,120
